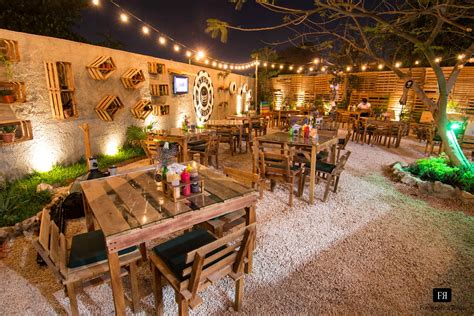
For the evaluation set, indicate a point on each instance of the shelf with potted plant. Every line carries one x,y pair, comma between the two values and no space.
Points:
62,94
12,91
15,131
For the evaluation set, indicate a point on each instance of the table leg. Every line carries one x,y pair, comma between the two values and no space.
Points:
332,158
116,282
185,150
251,218
312,174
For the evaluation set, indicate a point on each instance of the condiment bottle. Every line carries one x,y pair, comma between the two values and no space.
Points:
194,181
185,178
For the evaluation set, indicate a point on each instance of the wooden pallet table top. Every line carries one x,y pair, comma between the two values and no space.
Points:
129,204
284,138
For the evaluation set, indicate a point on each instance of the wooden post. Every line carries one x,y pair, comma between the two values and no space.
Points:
87,143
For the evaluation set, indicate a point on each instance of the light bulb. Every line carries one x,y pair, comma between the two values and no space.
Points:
281,66
206,61
461,56
214,64
348,68
291,67
417,62
176,48
145,30
323,68
226,66
437,59
124,17
364,67
220,65
311,68
188,54
273,65
162,40
380,66
398,64
200,54
96,2
265,64
316,61
231,67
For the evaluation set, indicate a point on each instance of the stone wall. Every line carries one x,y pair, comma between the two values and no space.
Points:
60,140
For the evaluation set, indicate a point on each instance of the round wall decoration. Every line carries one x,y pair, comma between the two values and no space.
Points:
203,96
232,87
245,87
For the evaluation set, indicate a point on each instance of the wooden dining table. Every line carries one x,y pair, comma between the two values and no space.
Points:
131,209
181,137
322,142
386,125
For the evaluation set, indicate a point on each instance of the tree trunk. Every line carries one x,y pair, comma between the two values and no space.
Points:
451,145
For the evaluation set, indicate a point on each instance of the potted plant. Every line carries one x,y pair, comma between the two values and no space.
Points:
7,95
8,133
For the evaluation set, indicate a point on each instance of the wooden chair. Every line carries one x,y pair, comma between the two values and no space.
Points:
195,260
432,140
279,167
87,259
343,143
219,225
328,172
207,149
228,135
150,147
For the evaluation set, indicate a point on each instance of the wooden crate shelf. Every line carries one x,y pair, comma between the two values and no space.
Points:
101,68
160,110
159,90
18,89
155,68
142,109
9,49
23,131
107,107
62,94
133,78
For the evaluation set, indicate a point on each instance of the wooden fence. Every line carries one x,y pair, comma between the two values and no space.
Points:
383,89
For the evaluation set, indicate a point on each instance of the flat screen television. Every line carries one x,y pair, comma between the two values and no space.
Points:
180,84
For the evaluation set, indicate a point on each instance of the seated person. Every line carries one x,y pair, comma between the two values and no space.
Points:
364,107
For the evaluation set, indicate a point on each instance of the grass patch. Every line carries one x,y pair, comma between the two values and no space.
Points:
19,200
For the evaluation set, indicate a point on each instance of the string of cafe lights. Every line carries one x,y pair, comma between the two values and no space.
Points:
200,56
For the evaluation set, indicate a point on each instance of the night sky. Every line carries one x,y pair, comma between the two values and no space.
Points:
185,21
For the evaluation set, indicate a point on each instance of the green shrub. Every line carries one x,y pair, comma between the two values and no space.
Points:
440,169
20,200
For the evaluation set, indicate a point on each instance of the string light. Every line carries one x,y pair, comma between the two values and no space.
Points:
316,61
220,65
124,17
348,68
206,61
145,30
311,68
188,54
96,2
265,64
437,59
200,55
214,64
398,64
298,71
291,67
323,68
281,66
273,65
176,48
231,67
380,66
162,40
363,67
417,62
461,56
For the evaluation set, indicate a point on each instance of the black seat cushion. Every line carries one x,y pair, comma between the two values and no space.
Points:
196,142
341,141
173,252
201,148
89,248
324,167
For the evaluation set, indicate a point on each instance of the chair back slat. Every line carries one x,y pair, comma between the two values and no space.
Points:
54,244
247,178
220,260
45,229
63,255
342,162
150,147
220,254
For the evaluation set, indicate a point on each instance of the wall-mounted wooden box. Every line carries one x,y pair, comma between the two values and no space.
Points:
155,68
160,110
133,78
159,90
142,109
107,107
23,131
9,49
62,94
17,90
101,68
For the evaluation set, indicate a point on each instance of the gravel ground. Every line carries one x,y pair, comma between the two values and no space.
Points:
374,247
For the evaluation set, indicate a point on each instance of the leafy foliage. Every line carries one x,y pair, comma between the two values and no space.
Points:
216,27
20,200
135,134
440,169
